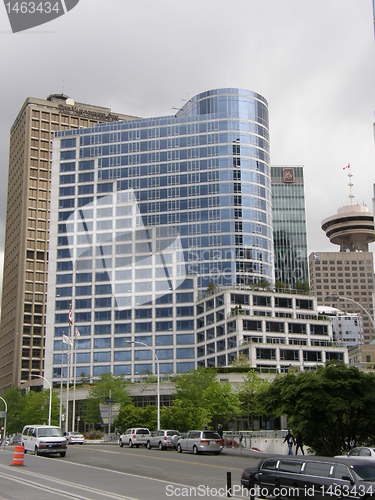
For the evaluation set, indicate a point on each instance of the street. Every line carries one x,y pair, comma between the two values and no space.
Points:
91,472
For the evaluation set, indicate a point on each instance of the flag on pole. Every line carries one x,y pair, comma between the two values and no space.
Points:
66,340
77,333
347,166
70,316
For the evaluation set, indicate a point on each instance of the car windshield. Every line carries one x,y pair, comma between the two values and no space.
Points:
50,432
173,433
74,433
365,472
143,431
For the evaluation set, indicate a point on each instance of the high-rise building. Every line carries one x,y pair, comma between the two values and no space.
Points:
348,273
136,206
24,288
289,225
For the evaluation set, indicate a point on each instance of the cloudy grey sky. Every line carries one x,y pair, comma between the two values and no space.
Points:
314,61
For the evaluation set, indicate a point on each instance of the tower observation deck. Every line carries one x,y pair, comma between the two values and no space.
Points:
352,228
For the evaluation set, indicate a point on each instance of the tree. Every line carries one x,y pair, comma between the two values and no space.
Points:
242,361
333,407
15,399
36,408
107,384
249,391
132,416
201,389
183,415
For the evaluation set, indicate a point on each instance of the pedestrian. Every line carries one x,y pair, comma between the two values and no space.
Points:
289,438
299,443
220,431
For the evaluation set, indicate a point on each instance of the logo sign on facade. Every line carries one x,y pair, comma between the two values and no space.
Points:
288,174
24,15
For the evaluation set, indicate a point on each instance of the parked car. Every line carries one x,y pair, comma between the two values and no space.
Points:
163,439
74,437
309,477
200,442
360,452
44,440
135,436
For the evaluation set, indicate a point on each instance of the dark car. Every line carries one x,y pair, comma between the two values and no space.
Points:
310,477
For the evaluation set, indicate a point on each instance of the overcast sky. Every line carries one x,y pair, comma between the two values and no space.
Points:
314,61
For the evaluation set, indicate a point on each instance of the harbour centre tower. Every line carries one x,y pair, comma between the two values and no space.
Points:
138,206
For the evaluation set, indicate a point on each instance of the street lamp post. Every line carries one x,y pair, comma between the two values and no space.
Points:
5,420
337,297
158,376
50,396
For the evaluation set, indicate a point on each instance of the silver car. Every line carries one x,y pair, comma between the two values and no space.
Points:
200,442
163,439
361,452
134,437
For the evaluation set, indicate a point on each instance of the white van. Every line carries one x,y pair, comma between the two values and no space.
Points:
44,440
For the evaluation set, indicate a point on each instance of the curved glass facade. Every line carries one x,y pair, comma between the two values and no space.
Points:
139,205
204,172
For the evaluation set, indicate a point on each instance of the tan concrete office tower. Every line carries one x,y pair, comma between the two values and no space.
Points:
348,273
24,288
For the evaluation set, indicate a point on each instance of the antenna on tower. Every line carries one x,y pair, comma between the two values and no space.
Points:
350,183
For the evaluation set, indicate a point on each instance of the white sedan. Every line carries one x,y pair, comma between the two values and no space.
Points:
361,452
74,437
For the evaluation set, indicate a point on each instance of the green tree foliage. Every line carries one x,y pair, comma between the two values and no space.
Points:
132,416
100,391
183,416
15,399
248,393
36,408
333,407
200,389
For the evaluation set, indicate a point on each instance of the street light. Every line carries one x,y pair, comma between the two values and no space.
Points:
337,297
50,396
5,420
158,377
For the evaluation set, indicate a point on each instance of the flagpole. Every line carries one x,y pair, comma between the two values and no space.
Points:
68,374
61,378
74,377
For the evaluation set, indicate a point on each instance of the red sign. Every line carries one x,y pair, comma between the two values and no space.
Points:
288,175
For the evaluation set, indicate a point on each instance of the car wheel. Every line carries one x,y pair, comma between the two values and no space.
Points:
161,447
217,452
62,454
36,452
130,443
148,445
121,443
179,449
195,450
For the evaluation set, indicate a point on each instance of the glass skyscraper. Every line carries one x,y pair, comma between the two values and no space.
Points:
137,207
289,225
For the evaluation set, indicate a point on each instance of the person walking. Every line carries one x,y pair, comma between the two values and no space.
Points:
220,431
289,438
299,443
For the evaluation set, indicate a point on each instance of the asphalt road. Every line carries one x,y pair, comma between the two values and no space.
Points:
93,472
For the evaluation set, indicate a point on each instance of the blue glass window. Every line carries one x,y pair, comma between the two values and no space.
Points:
185,338
122,356
187,352
98,370
102,329
100,343
121,370
123,328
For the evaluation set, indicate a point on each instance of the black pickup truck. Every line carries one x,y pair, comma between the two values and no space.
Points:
310,477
